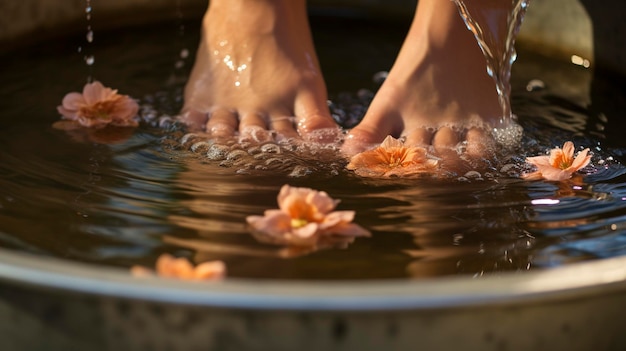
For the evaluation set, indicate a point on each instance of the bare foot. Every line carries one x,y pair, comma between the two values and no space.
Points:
437,93
256,69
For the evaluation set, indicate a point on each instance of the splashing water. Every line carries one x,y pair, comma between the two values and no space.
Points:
496,41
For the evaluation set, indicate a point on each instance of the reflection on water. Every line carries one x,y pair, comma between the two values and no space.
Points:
162,190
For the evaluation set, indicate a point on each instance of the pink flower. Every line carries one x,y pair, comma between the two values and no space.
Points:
169,267
98,106
304,217
391,159
560,165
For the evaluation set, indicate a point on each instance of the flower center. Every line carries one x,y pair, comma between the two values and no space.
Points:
298,222
396,157
101,110
564,165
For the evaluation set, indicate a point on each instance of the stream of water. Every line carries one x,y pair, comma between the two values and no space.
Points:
495,25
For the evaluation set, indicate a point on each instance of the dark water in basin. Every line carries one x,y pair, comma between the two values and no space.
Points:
125,203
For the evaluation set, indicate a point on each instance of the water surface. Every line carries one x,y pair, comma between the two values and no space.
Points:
159,189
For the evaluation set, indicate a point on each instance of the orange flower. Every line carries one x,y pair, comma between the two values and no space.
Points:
304,217
98,106
168,266
392,158
560,165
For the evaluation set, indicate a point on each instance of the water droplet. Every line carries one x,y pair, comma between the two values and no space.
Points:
88,9
90,59
89,36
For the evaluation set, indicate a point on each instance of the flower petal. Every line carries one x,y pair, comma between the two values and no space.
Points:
321,201
125,108
306,232
67,114
568,150
555,174
337,217
93,92
391,142
532,176
581,161
73,101
275,223
210,270
539,161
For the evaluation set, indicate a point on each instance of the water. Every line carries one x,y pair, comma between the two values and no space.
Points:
496,40
159,189
89,57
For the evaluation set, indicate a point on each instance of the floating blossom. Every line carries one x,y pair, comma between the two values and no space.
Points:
559,165
99,106
392,158
305,218
168,266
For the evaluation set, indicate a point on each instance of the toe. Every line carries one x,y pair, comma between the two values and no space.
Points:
252,120
480,143
194,119
445,139
253,126
284,126
222,123
419,137
312,113
359,140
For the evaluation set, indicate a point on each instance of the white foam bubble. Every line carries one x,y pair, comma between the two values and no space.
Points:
300,171
508,136
201,146
271,148
217,152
